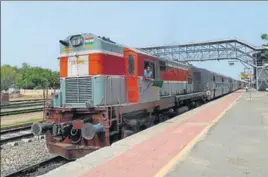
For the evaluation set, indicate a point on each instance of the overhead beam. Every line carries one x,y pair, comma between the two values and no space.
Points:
231,49
214,50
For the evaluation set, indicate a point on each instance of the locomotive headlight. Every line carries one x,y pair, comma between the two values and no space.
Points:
76,40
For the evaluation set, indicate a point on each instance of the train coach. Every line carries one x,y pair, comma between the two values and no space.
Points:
106,94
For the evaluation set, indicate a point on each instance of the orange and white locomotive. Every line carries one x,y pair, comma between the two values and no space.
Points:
105,94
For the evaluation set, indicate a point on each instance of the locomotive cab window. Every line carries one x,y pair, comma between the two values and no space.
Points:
149,70
130,64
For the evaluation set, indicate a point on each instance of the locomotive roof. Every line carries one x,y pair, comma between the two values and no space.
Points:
107,40
215,73
148,54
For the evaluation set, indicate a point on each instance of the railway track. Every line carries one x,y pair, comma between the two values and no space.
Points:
22,106
15,128
14,134
21,111
28,100
39,168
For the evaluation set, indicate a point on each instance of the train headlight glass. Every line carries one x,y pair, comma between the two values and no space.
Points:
76,40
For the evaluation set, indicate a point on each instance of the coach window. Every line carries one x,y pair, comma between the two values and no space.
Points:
130,64
151,65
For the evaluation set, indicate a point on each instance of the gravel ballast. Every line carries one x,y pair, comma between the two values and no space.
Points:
23,155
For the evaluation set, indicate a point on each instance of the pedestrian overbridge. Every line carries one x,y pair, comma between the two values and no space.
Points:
230,49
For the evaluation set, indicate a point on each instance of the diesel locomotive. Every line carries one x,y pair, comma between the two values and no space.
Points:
104,95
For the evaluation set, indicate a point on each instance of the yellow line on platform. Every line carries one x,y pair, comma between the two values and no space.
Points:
182,154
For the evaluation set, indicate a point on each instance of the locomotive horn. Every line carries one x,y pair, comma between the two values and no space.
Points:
89,130
66,44
40,128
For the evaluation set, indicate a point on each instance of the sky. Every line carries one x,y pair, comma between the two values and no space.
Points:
30,31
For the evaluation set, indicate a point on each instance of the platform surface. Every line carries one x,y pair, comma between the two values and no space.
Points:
235,145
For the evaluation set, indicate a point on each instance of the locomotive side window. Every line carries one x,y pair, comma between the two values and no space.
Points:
130,64
163,66
213,79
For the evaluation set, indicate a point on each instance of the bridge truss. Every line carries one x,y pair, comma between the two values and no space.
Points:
217,50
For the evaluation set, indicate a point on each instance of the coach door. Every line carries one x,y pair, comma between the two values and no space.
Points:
131,63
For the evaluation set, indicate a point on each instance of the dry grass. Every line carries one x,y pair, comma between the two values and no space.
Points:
26,97
21,122
5,120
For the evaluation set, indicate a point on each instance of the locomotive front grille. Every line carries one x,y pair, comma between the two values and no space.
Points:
78,89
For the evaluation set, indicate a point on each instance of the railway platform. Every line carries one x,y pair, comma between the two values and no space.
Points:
225,137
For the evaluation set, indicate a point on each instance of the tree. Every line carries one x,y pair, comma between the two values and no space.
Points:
55,81
23,80
8,76
28,77
265,38
36,77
